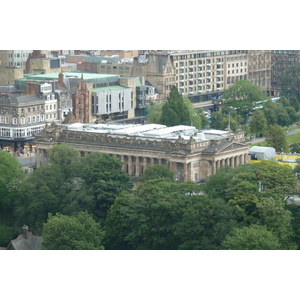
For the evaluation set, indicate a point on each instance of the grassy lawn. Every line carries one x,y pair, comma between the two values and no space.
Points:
291,139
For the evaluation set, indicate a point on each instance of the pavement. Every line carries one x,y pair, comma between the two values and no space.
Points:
27,161
258,140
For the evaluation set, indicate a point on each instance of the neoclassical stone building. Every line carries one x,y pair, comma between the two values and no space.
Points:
191,154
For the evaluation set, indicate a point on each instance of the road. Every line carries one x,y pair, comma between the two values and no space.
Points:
258,140
26,161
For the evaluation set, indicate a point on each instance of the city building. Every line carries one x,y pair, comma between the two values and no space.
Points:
280,61
190,153
14,58
108,96
8,75
21,118
259,68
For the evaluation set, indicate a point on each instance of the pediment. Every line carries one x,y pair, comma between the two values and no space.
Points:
224,146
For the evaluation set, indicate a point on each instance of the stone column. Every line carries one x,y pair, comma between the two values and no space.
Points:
123,164
130,165
38,158
152,161
185,169
144,164
242,159
137,166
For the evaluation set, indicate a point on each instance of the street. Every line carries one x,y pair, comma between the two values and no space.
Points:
27,161
258,140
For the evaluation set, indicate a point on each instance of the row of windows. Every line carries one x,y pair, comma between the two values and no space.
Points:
33,109
20,132
49,107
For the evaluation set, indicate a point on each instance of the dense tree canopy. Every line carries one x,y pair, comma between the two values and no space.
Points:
254,237
147,217
175,111
11,175
157,172
90,183
77,232
242,96
276,138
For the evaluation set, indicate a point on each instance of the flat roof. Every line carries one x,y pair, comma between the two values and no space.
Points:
86,76
107,88
149,131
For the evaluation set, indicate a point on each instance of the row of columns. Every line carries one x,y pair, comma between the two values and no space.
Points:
137,165
233,161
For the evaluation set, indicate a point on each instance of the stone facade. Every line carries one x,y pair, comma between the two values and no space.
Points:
8,75
188,159
259,68
281,60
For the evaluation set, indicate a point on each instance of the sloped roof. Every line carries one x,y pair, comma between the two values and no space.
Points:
25,99
8,89
33,242
223,146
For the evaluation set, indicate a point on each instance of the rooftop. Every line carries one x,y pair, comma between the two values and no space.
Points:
54,76
151,131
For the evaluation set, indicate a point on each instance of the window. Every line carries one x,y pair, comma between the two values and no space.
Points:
38,118
29,119
42,117
15,121
22,120
28,109
6,120
33,119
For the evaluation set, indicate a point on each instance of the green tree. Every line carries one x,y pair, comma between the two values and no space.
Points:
258,123
254,237
276,138
147,217
41,193
195,119
7,234
205,223
277,179
269,110
11,176
242,96
103,179
205,123
274,215
175,111
157,172
154,113
77,232
283,118
64,156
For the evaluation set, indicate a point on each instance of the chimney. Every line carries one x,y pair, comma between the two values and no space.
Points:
25,231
